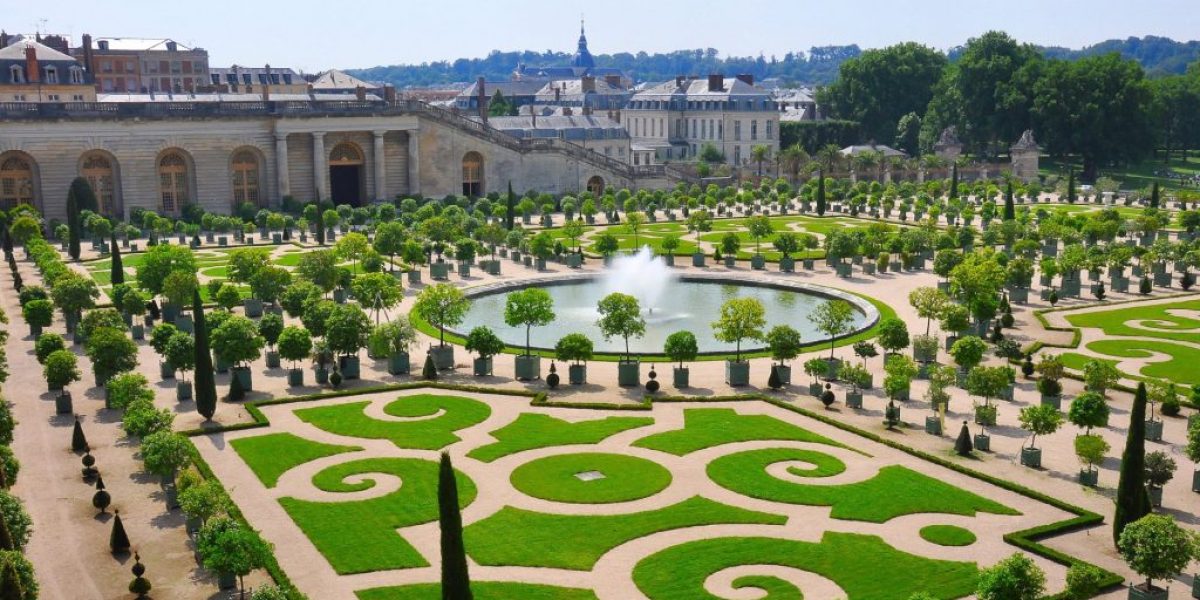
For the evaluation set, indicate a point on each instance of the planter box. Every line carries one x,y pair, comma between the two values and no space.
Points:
1196,481
680,377
226,580
844,270
758,262
854,400
295,377
730,262
414,277
540,264
1154,431
815,389
322,375
983,442
339,296
785,374
787,265
443,357
439,271
1055,401
527,260
923,355
398,364
165,370
577,374
1089,477
184,323
1018,295
63,404
629,373
482,367
574,261
808,264
350,367
246,377
253,307
272,359
1031,457
137,332
1137,592
698,260
464,269
737,373
528,367
933,425
869,268
183,391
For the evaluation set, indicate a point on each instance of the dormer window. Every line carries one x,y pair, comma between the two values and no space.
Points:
76,75
51,75
16,74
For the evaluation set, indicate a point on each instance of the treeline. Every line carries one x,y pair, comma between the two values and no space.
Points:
1102,108
817,66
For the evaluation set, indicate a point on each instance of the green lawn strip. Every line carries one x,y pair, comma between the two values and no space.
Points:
947,535
627,242
360,536
625,478
823,465
1113,322
272,455
428,430
290,259
708,427
221,271
480,590
864,566
534,430
906,492
517,537
1181,368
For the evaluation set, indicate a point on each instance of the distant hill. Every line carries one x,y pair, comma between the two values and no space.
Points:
1158,55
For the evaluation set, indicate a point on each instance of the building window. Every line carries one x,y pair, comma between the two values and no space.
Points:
76,75
51,75
77,98
106,66
637,159
245,178
737,131
754,129
16,74
16,182
53,97
769,132
172,182
737,155
595,185
472,175
98,171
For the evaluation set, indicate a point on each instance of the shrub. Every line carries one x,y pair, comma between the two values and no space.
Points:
1155,547
111,352
98,318
1088,410
181,352
237,341
226,547
1160,468
141,419
574,347
1014,578
16,562
160,336
270,326
20,526
295,344
38,313
10,463
681,346
127,388
61,369
228,297
1083,581
484,342
164,453
202,500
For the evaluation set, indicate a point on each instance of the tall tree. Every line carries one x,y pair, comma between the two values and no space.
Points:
953,181
1010,210
117,270
880,86
1071,186
206,385
510,208
989,81
74,221
820,193
456,581
1133,501
1154,195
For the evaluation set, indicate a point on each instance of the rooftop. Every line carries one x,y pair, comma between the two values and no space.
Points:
16,51
143,44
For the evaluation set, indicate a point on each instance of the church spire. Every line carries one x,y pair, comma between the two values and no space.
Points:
583,58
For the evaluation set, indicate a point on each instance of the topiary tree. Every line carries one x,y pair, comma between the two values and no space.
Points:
159,261
164,453
227,297
893,335
1133,500
681,346
784,343
1088,410
620,315
295,344
270,327
61,369
181,353
73,294
968,352
1155,547
530,307
269,283
127,388
1160,468
741,319
111,353
378,292
1014,578
206,385
456,581
226,547
441,305
833,318
1099,376
38,314
1040,419
574,347
46,344
484,342
347,329
237,341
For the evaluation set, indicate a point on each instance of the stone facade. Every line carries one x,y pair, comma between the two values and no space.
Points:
1025,154
948,147
349,152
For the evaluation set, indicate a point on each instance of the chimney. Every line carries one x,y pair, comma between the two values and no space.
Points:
481,94
557,94
32,74
389,93
613,80
533,114
3,39
679,79
360,93
172,46
102,44
587,83
266,92
747,78
87,51
567,111
716,83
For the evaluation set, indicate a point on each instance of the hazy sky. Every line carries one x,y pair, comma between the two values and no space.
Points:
318,34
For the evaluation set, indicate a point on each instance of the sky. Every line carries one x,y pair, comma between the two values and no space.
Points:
314,35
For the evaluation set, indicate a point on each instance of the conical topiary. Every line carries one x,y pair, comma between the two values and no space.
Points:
117,268
774,381
205,380
1133,501
236,392
78,440
118,540
429,371
101,499
456,580
963,445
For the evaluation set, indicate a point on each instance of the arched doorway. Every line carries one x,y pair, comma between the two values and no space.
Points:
472,175
346,174
17,180
245,173
595,185
174,182
100,172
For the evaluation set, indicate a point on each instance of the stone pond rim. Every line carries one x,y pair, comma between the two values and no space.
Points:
870,314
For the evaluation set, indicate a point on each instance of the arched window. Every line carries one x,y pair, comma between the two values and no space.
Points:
245,178
16,182
172,182
345,154
472,175
16,74
595,186
98,171
51,74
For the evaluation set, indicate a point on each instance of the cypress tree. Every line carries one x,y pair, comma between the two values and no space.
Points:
118,267
963,445
118,540
6,541
820,193
1071,186
78,440
11,587
8,247
1010,211
1133,501
456,581
1154,195
510,208
320,224
205,380
74,225
954,181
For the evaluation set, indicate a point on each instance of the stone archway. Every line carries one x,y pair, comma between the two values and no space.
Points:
595,186
346,183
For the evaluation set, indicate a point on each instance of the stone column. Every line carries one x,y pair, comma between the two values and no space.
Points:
380,166
283,182
414,162
320,166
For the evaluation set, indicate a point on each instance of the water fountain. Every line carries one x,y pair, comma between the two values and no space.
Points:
643,276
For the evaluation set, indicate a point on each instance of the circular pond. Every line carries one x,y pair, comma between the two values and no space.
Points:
687,304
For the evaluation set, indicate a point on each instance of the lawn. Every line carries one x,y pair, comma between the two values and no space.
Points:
708,427
360,536
480,590
535,430
272,455
863,566
947,535
424,421
1137,176
1180,368
517,537
623,478
906,491
1155,320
